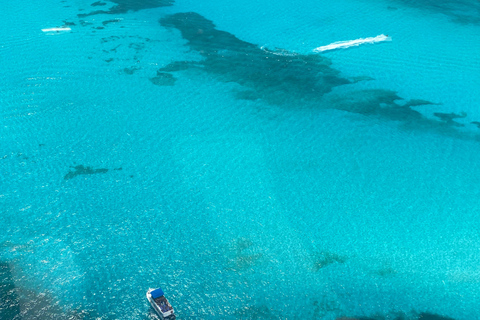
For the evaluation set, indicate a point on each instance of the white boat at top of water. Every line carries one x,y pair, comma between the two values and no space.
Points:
160,304
57,29
353,43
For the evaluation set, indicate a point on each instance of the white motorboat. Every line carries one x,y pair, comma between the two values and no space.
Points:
56,29
161,305
353,43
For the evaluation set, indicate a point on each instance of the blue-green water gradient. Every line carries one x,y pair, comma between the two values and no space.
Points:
203,148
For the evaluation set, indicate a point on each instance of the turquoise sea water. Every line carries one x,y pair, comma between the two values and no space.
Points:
203,148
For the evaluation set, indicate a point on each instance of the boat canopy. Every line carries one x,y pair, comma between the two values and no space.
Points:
157,293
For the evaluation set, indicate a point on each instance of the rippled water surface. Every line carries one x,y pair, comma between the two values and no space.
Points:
206,149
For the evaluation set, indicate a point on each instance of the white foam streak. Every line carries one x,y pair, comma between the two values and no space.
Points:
352,43
57,29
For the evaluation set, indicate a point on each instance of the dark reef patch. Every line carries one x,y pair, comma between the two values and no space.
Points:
18,303
123,6
386,105
163,79
9,302
137,46
84,23
361,78
448,118
79,170
430,316
382,103
115,49
461,11
386,272
274,78
108,39
418,102
326,258
131,70
178,66
98,3
111,21
281,78
244,256
400,316
476,123
368,102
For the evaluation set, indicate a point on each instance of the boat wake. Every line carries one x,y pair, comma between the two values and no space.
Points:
279,52
353,43
57,29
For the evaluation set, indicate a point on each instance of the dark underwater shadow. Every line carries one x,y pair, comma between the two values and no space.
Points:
18,303
401,316
82,170
123,6
387,105
460,11
9,302
292,80
266,75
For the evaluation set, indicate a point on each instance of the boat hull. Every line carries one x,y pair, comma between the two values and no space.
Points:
163,315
